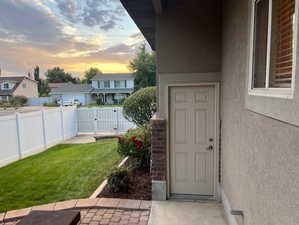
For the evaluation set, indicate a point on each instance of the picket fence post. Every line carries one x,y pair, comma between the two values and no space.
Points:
19,135
62,125
44,128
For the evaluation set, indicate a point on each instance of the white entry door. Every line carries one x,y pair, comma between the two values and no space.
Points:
192,140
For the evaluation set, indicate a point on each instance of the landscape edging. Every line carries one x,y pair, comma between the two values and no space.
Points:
104,183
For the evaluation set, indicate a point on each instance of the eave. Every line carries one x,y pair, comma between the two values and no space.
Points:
143,13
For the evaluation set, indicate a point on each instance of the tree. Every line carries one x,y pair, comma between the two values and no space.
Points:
89,74
37,78
144,68
36,73
44,89
57,75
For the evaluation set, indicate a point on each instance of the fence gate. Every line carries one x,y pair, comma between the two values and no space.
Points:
104,120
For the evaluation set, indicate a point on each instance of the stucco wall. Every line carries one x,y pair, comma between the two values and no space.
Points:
260,155
29,90
188,45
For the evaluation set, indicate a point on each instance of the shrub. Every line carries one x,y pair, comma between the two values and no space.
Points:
5,104
99,101
140,106
22,100
136,145
17,101
119,180
52,104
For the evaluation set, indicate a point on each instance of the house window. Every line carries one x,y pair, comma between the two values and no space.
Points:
6,86
106,84
24,85
273,52
120,84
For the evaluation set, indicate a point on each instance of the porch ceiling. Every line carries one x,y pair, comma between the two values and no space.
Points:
143,14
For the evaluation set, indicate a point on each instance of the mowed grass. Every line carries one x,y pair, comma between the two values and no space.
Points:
66,171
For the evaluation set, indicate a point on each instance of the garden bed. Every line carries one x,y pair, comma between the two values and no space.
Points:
140,187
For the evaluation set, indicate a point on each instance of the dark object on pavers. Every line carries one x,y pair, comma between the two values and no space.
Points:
51,218
98,138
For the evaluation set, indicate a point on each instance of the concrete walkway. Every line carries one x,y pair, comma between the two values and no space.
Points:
191,213
80,139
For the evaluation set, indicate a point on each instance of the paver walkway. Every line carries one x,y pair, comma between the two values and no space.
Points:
100,211
109,217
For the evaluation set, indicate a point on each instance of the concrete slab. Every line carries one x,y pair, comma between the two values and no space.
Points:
80,139
191,213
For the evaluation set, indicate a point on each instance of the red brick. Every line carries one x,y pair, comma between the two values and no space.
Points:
89,202
65,205
108,202
46,207
17,213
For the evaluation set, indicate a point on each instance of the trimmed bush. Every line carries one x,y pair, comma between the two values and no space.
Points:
140,106
15,102
119,180
52,104
22,100
136,145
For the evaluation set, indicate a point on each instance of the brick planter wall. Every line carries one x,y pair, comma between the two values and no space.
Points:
158,162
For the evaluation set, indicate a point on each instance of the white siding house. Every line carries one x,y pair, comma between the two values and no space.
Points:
112,88
104,88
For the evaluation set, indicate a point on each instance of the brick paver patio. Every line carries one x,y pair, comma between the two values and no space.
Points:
95,211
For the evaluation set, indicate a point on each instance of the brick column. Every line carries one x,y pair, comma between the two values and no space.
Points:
158,160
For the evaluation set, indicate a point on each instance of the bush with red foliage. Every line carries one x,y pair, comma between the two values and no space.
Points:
136,146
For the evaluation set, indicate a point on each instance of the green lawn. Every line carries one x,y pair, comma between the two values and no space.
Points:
68,171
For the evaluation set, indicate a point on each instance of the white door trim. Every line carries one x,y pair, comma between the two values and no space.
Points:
216,85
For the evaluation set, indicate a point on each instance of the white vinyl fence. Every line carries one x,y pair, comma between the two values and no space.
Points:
24,134
110,120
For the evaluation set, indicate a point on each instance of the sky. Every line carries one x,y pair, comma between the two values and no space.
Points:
72,34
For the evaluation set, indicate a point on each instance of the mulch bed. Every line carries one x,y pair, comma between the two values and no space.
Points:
140,187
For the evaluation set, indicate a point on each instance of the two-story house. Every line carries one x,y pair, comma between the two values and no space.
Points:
17,86
112,88
108,88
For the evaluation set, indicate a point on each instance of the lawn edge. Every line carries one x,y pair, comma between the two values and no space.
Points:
98,191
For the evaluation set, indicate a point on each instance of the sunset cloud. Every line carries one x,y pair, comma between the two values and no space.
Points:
71,34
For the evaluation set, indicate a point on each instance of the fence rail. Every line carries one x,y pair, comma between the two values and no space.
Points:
24,134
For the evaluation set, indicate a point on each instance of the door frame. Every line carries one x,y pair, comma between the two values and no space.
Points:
216,192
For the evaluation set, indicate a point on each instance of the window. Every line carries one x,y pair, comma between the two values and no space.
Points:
6,86
24,85
120,84
273,47
106,83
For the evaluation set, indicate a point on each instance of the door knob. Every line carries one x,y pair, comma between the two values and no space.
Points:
210,148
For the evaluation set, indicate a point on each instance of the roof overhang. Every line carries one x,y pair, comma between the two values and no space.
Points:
143,12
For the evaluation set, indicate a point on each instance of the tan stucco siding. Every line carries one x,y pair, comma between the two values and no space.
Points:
188,46
27,88
260,157
188,38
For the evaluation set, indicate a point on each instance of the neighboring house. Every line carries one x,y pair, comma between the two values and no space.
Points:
109,88
17,86
227,126
73,92
56,85
112,88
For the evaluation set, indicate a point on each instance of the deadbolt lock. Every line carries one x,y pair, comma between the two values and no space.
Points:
210,148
